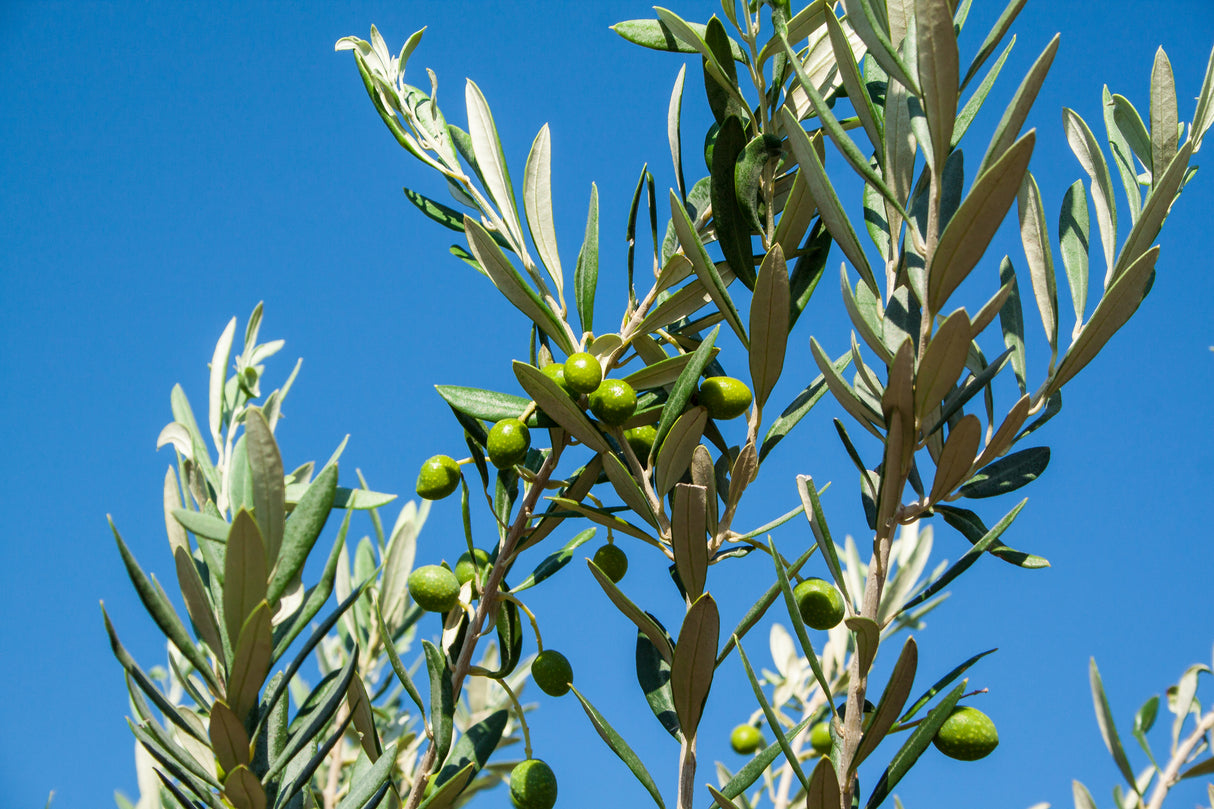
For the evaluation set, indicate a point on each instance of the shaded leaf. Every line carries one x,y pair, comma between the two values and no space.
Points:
653,674
688,539
250,662
897,689
957,458
656,35
684,386
674,454
1008,473
798,408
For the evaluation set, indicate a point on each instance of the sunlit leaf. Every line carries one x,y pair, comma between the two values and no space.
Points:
620,747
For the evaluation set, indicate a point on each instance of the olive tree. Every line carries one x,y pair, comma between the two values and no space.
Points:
627,425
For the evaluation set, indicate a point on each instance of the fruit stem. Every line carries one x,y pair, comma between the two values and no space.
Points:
518,710
488,606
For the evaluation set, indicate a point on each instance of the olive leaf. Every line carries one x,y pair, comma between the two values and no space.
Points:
620,747
693,665
586,275
688,538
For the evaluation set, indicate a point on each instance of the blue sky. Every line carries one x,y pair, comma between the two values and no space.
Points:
167,166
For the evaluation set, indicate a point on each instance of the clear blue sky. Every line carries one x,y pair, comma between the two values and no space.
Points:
166,166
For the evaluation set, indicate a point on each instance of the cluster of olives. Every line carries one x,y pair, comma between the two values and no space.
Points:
612,401
967,735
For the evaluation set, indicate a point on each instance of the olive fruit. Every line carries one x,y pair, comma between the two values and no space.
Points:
820,604
967,735
612,561
438,477
819,738
746,739
533,785
582,373
552,673
467,565
508,442
613,402
434,588
556,372
641,439
725,397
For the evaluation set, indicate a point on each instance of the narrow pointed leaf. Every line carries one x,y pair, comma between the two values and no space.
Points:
772,721
685,386
760,607
250,662
973,226
557,404
689,540
197,605
219,368
957,458
537,202
1108,730
1154,211
373,780
817,522
758,765
993,38
642,620
798,408
897,689
474,747
503,275
938,72
1017,111
586,276
675,451
942,364
554,561
823,193
620,747
1164,115
402,673
442,706
266,473
1083,143
961,565
769,324
865,24
1036,240
1073,234
653,674
244,573
693,666
798,624
628,489
162,612
823,790
229,739
1120,301
489,157
1008,473
913,747
693,248
307,520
